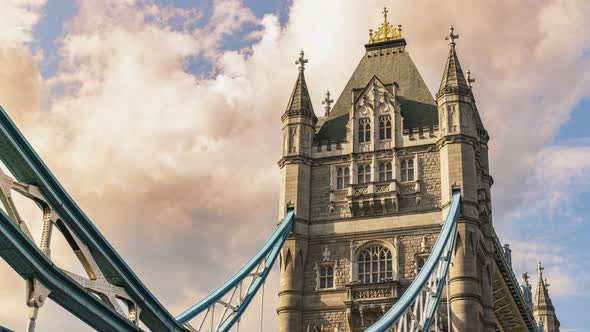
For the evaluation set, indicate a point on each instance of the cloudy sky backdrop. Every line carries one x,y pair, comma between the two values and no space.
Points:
162,119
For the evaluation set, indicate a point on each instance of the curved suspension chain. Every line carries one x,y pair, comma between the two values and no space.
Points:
416,309
251,277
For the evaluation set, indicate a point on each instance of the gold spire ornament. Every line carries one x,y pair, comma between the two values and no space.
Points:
386,31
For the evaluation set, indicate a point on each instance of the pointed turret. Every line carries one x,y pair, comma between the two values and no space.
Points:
464,147
300,102
453,80
543,309
298,123
299,119
457,111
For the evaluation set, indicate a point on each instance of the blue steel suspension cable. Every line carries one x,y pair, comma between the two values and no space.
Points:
445,240
268,252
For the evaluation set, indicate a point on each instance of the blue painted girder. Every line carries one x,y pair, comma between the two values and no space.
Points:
268,253
26,259
24,163
448,232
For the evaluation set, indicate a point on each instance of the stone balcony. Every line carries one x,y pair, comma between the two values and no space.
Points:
373,198
366,303
365,294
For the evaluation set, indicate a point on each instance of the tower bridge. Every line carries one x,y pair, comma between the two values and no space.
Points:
385,220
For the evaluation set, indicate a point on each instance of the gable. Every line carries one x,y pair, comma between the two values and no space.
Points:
375,98
391,65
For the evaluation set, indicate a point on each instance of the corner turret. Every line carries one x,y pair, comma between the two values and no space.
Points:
298,123
456,105
543,309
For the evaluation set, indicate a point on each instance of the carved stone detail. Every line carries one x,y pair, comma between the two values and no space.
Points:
376,99
381,188
361,190
375,293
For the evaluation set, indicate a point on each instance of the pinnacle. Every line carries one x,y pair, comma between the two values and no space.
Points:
453,79
542,299
300,102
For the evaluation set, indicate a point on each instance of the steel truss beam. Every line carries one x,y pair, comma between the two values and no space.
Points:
92,299
45,280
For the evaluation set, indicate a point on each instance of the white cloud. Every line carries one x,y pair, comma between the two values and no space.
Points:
17,19
559,174
561,271
168,163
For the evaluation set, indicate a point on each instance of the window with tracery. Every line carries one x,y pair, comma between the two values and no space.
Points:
326,276
342,177
385,127
385,171
375,264
407,170
364,130
364,174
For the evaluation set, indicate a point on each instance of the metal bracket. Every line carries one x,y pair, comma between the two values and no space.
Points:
36,296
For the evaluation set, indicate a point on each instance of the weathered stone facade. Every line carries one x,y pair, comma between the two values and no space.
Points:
371,184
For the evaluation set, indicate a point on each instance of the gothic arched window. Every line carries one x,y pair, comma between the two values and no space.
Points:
342,177
407,170
375,264
364,130
385,127
385,171
364,174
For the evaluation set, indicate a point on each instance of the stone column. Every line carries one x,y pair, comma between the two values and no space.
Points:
291,286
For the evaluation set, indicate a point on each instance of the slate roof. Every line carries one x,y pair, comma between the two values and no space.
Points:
390,63
453,79
542,299
300,102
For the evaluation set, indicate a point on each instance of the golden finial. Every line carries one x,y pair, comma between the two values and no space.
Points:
386,31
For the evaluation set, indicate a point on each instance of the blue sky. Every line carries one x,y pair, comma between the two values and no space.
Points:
50,28
162,86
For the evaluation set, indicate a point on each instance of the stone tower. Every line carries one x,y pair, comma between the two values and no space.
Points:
543,307
371,184
298,123
464,164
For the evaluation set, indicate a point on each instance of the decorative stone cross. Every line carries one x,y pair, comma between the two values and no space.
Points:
540,267
469,78
328,102
452,36
326,254
525,278
385,11
301,61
